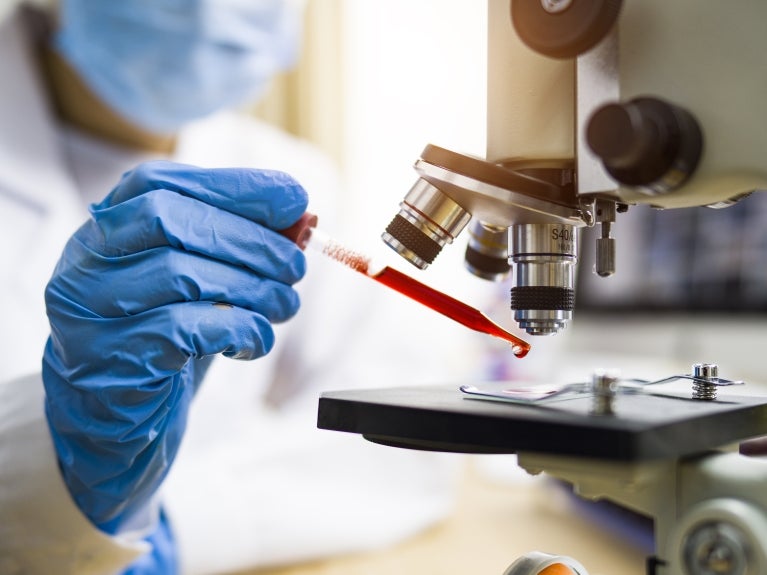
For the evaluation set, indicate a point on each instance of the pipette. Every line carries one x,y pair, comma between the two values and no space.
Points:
404,284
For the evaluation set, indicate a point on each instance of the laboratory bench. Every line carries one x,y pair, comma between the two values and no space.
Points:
500,514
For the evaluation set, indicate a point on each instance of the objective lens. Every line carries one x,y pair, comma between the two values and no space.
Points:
543,296
486,253
427,220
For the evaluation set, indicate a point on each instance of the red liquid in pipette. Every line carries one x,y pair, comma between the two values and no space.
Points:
428,296
448,306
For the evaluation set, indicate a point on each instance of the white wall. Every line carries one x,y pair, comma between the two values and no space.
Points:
414,73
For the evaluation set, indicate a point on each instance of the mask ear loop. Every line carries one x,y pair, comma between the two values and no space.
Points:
537,563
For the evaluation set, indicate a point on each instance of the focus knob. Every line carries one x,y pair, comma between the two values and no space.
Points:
646,142
563,28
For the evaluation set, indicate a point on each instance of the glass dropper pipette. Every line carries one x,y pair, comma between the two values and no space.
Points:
404,284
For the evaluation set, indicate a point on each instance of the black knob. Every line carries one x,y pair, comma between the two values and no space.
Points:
646,142
563,28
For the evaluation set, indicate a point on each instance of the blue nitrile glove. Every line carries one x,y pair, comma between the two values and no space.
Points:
176,265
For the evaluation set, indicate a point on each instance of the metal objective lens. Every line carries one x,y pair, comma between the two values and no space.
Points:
486,253
426,221
543,294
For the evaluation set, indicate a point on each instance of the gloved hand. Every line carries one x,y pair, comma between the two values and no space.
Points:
176,265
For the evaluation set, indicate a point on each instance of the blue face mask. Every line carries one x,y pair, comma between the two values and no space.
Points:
162,63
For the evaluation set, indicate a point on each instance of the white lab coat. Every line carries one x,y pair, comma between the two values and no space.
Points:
255,482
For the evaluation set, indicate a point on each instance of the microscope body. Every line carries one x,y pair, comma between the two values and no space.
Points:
701,59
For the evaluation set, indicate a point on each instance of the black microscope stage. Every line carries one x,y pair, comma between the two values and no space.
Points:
443,418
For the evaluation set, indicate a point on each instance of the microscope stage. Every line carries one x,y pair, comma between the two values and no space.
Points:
643,426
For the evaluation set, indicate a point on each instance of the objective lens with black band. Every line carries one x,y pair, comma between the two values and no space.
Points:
543,294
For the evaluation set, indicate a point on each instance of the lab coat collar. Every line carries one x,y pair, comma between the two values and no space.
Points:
33,168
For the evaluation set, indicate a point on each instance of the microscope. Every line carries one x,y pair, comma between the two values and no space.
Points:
595,106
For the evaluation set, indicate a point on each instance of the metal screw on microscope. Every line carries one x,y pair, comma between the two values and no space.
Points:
704,383
604,386
605,255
